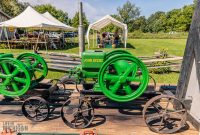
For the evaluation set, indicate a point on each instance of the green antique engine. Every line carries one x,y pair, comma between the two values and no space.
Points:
118,74
18,75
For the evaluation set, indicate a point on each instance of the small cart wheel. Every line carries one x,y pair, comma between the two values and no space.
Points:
165,114
77,113
35,109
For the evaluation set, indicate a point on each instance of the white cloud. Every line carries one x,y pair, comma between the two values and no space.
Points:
71,7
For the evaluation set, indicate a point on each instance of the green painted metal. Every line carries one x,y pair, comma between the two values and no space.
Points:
19,75
93,59
117,75
115,52
36,65
2,55
14,77
113,73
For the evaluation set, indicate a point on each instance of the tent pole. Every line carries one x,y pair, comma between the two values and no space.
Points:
125,37
93,38
7,38
45,41
1,33
63,39
96,39
26,31
74,39
88,36
37,40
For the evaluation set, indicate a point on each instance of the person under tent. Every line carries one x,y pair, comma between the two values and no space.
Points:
116,38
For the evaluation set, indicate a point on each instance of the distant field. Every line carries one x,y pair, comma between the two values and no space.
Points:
138,47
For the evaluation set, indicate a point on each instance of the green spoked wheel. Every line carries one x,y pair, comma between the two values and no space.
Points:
123,78
115,52
14,77
36,65
2,55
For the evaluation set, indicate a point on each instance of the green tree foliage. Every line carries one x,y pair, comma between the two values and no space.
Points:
57,13
75,21
139,24
156,22
12,7
178,20
111,28
128,12
188,14
195,3
117,17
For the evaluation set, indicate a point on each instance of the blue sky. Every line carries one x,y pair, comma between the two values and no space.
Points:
96,9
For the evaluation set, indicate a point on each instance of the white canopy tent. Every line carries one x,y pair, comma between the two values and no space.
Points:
30,18
53,19
105,21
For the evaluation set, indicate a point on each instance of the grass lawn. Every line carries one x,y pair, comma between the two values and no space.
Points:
138,47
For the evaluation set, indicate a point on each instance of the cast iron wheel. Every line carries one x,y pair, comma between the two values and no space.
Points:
36,65
77,113
163,116
35,109
14,77
123,78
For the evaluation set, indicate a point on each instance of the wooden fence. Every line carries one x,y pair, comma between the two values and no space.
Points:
63,62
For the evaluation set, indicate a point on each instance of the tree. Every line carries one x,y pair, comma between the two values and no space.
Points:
157,22
12,7
57,13
117,17
139,24
128,12
195,3
188,14
75,21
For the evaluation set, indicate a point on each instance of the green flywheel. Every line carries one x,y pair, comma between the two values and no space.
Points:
14,77
36,65
123,78
116,52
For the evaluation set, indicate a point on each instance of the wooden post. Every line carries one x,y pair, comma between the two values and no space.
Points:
189,80
192,47
81,30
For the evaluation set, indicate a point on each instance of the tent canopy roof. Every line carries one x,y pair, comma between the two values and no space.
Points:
53,19
30,18
105,21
